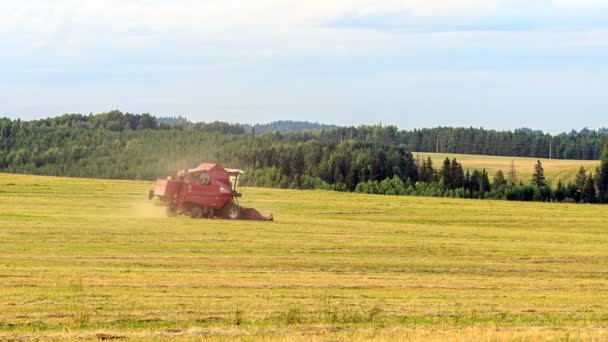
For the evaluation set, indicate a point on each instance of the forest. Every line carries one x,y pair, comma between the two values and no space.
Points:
582,145
371,159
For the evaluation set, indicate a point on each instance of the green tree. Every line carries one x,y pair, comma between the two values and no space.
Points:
457,174
560,191
499,179
581,179
589,193
427,172
446,174
485,182
538,177
298,162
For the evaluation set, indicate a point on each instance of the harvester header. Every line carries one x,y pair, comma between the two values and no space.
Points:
208,190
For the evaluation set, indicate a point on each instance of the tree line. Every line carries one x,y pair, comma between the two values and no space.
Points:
579,145
450,180
373,159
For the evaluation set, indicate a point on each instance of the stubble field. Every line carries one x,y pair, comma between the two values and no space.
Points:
95,259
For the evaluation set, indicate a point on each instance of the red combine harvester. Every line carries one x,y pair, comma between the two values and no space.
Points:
209,190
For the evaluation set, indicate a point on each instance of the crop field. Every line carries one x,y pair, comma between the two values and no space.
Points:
94,259
555,169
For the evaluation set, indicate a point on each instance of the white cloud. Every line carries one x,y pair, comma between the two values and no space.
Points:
117,31
301,57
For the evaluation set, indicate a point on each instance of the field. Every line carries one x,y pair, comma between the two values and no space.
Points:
555,169
95,259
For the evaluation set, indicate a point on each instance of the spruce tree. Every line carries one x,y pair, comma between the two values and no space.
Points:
476,182
446,174
538,177
457,174
427,172
581,179
499,179
560,191
484,185
589,194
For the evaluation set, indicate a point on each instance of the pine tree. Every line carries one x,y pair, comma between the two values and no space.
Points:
476,182
589,194
297,162
560,191
467,181
427,171
484,185
538,177
499,179
581,179
457,174
446,174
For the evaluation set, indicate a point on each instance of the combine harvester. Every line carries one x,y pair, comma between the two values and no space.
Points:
209,190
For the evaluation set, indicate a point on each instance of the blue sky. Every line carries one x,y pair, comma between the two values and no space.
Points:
499,64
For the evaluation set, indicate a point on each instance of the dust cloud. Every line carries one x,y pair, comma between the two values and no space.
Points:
148,209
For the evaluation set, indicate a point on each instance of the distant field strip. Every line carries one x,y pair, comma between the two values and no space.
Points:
555,169
95,259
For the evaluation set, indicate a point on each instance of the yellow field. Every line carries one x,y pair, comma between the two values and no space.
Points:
555,169
95,259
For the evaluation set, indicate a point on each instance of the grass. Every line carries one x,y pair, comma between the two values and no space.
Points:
95,259
555,169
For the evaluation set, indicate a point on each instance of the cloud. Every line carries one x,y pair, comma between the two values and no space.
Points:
73,30
345,61
110,40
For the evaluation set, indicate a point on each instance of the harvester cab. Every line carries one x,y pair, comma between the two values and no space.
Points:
234,177
209,190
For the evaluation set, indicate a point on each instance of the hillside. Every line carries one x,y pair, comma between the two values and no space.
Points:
370,159
555,169
288,126
281,126
95,259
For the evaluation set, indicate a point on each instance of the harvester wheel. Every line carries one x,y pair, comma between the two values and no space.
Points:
196,212
210,213
232,211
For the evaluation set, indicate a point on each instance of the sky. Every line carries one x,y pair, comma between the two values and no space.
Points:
499,64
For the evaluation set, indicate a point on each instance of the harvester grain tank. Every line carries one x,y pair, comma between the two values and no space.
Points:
209,190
